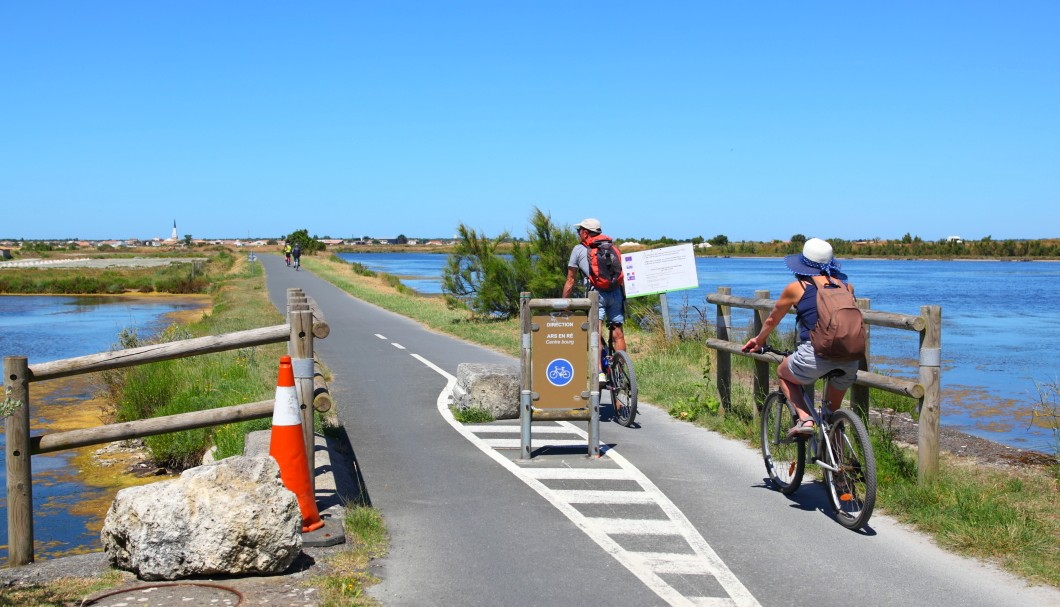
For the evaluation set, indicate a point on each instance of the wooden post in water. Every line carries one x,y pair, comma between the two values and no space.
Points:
19,470
723,372
859,395
931,403
761,377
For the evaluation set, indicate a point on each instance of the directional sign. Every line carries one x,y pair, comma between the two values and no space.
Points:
560,354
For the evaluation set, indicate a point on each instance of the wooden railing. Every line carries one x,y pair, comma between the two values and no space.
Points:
304,323
927,388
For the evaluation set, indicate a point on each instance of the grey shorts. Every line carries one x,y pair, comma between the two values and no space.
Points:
807,367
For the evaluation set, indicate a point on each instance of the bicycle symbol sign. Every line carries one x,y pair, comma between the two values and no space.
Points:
559,372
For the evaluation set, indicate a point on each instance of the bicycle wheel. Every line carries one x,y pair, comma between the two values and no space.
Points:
623,386
852,488
785,457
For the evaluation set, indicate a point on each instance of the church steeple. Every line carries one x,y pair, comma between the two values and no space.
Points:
173,236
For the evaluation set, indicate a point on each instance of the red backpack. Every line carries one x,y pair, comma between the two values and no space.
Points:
605,263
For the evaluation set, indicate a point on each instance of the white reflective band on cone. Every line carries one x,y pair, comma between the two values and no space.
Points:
285,411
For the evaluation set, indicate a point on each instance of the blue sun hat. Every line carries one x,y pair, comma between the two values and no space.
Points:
816,259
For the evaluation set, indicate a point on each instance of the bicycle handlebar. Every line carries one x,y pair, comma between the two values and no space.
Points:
768,349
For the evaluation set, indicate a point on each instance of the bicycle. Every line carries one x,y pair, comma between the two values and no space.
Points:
621,380
297,263
841,447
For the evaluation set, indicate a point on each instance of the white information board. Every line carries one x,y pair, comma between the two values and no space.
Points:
660,270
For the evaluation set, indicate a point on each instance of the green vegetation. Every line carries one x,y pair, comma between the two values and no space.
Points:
479,276
310,244
472,415
60,593
345,585
203,382
178,278
907,246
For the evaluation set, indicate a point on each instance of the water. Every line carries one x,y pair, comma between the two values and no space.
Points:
45,328
999,324
419,271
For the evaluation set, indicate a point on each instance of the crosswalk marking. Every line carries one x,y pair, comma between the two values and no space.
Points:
579,496
578,474
618,526
645,499
661,562
513,443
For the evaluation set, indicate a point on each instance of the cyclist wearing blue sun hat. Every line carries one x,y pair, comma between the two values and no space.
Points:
813,268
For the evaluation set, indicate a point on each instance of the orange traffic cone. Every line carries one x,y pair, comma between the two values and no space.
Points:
287,446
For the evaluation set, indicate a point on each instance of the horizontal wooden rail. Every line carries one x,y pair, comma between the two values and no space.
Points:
72,439
159,352
872,317
321,394
581,303
895,385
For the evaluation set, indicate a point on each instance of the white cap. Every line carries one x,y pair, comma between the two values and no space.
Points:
817,250
593,225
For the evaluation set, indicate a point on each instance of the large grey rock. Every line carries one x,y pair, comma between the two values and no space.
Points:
494,388
230,517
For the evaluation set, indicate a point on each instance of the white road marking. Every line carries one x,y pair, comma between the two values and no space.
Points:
380,336
647,566
632,526
397,345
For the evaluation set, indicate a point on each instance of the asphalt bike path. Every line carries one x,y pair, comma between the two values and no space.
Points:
671,515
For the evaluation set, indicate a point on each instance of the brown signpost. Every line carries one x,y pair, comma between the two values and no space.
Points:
560,347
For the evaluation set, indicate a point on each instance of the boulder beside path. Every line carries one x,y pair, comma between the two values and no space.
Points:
492,387
230,517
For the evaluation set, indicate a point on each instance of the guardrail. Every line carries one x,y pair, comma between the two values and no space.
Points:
927,389
305,322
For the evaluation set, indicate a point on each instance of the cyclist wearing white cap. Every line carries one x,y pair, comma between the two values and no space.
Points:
613,300
813,268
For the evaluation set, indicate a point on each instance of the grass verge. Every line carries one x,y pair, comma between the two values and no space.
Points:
60,593
348,578
210,381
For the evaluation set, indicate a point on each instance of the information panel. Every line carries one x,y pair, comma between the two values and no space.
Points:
559,351
660,270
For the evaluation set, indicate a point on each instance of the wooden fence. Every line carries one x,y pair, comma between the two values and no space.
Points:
927,388
304,323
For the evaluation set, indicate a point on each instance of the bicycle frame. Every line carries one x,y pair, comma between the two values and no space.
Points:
822,429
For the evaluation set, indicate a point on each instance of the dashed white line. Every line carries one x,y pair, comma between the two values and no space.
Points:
397,345
380,336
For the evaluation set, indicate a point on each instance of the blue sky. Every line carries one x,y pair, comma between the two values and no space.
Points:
754,120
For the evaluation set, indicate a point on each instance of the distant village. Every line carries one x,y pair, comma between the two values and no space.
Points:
174,241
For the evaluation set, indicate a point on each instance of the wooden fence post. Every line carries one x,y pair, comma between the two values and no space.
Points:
930,404
19,470
859,395
761,376
302,359
723,372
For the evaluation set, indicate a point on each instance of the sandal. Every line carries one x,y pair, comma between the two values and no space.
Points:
805,427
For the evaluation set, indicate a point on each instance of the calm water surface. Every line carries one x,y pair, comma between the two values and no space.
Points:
1000,323
45,328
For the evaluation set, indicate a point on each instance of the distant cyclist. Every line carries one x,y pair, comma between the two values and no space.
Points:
297,252
287,252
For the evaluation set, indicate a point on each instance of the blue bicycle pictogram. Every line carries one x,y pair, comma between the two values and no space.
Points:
559,372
